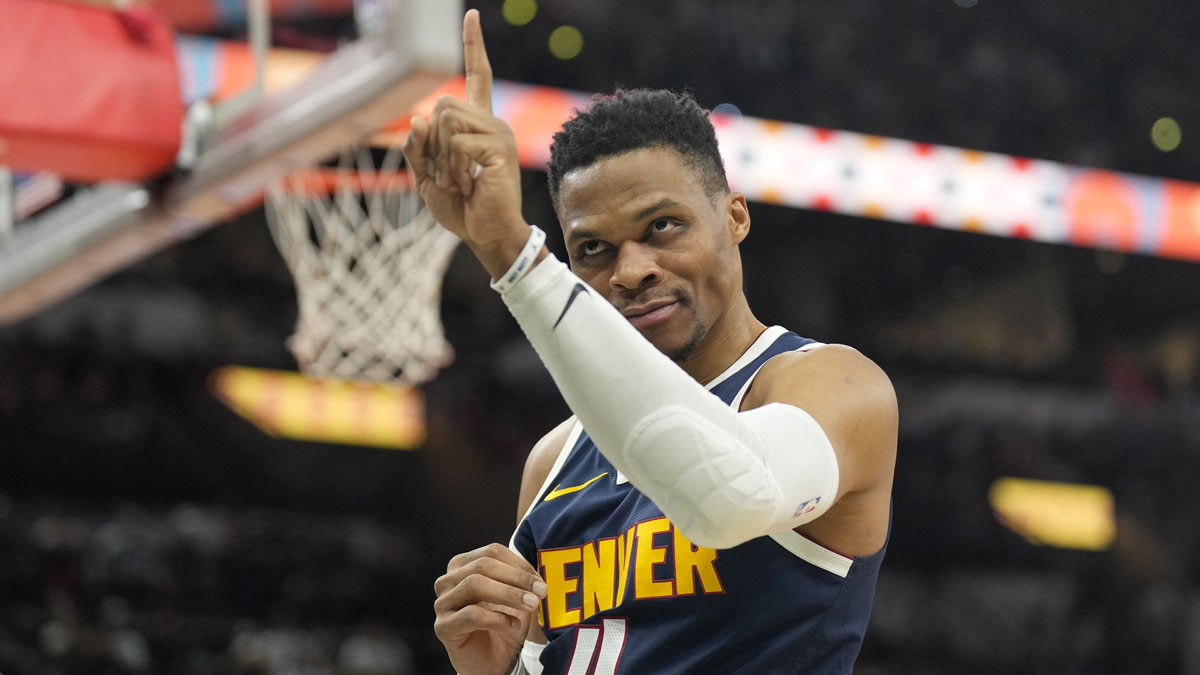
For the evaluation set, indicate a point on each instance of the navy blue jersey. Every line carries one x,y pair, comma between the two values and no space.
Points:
628,594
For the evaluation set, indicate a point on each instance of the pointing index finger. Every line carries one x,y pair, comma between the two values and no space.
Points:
475,59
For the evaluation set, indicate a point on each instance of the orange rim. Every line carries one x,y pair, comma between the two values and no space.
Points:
327,181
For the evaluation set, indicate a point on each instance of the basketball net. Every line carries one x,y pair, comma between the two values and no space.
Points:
368,261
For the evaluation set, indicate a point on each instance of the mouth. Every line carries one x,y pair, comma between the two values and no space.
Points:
650,313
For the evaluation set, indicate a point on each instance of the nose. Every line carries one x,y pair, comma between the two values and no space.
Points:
636,267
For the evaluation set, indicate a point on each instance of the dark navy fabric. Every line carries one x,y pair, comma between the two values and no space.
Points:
764,611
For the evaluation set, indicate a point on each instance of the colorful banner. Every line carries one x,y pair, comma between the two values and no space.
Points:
829,170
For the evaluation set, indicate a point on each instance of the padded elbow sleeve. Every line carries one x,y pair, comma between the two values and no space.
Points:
720,488
721,476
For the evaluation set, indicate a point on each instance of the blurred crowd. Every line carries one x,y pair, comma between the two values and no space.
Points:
961,593
200,590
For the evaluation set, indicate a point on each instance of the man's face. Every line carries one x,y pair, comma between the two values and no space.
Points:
641,230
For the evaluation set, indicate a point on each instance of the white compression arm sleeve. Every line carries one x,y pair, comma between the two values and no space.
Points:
722,477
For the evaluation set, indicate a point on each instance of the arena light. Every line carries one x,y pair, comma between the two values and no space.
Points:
566,42
1064,515
1166,134
291,405
519,12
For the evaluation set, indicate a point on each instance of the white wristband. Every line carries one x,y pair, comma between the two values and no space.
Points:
523,263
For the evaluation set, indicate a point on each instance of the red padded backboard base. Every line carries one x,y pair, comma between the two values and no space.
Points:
89,93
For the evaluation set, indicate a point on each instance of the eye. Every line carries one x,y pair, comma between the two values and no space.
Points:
592,247
662,225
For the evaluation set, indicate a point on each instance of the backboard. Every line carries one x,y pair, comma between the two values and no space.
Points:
355,91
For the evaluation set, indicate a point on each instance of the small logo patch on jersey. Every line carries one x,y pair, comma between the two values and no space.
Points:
579,288
806,507
559,491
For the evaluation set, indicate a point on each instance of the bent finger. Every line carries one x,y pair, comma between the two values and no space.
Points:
494,550
477,588
523,578
451,118
432,139
414,147
463,160
456,626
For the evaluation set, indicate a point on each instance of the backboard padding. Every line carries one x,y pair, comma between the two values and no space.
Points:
354,92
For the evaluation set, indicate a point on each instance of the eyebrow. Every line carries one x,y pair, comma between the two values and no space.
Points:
581,234
665,203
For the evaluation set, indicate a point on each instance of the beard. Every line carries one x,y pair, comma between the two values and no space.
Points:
684,352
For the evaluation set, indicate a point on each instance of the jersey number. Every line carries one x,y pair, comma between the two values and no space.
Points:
598,648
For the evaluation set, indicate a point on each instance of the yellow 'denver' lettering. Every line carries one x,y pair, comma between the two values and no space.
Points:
554,562
599,575
605,567
647,557
624,557
691,560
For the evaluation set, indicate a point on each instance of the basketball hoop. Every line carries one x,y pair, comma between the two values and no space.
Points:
368,261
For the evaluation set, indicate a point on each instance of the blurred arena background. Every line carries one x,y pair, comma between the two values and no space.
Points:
147,527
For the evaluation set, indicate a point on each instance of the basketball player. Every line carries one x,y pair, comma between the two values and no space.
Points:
720,500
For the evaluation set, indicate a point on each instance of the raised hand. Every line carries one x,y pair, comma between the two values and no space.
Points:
485,604
464,162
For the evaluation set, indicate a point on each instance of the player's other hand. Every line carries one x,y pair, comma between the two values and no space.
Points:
485,604
464,160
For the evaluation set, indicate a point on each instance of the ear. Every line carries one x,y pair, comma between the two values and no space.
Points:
739,217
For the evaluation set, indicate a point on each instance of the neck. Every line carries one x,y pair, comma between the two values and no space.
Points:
729,338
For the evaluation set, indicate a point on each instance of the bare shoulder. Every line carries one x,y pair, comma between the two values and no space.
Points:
836,370
539,463
835,357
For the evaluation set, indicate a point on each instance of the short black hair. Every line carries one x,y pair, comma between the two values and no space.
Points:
633,119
